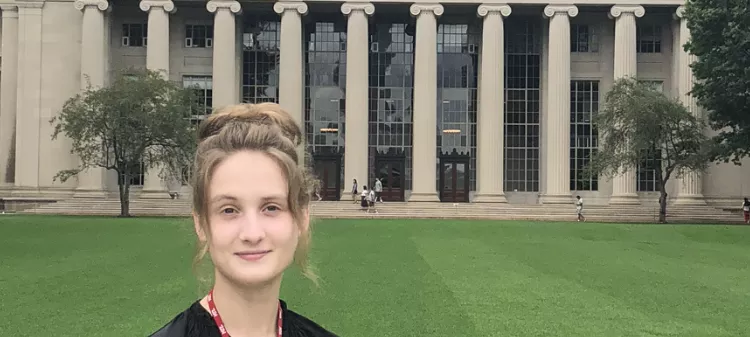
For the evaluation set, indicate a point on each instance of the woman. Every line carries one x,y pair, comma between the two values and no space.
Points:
371,201
579,209
251,194
363,198
355,194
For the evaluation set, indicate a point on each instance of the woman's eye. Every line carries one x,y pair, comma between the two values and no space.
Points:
228,211
272,208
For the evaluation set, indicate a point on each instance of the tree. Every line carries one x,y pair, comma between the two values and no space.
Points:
638,123
140,119
720,41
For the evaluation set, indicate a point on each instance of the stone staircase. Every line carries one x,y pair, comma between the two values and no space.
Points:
400,210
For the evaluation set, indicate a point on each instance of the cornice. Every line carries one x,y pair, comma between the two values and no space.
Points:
8,8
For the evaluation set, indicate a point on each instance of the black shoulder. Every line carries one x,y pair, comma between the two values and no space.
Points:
197,322
301,326
176,328
193,322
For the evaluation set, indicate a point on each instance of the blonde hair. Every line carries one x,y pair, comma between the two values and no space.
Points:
261,127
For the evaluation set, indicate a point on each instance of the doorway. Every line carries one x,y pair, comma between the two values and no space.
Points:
454,177
390,169
328,171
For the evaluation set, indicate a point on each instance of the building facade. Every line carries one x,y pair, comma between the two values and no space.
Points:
456,101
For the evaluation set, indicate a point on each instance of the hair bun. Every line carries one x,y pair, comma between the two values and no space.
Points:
270,114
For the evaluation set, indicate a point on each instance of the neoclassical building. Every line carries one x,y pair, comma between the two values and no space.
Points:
456,101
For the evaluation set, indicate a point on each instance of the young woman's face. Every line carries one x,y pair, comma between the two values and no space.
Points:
253,233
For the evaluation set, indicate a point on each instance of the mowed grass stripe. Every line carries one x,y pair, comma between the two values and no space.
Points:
376,282
661,289
508,297
93,276
629,283
567,258
82,276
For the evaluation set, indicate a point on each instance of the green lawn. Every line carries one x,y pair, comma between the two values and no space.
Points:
83,276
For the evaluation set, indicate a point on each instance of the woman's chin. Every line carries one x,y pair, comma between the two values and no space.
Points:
251,274
256,277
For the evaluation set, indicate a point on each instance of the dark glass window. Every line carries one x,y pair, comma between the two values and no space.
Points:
583,39
260,59
391,86
522,104
648,38
199,36
458,59
584,104
325,86
203,86
134,34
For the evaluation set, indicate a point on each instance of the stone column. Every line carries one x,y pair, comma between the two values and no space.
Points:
29,92
8,91
224,48
91,183
291,63
626,65
424,150
557,140
491,114
157,49
690,185
238,54
157,59
357,95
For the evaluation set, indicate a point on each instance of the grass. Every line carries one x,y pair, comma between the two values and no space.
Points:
87,276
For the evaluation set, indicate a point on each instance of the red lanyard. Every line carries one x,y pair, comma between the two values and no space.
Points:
220,323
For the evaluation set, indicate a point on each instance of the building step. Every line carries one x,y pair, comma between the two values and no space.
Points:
428,210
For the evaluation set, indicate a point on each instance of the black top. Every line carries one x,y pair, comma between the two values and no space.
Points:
197,322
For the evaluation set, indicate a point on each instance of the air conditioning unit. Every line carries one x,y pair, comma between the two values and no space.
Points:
374,47
472,49
209,42
189,42
125,41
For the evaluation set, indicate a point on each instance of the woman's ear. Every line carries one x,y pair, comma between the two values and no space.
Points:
198,229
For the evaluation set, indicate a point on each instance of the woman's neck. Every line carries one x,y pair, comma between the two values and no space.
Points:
248,311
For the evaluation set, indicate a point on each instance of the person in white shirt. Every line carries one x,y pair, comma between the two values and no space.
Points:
378,189
371,201
364,203
579,209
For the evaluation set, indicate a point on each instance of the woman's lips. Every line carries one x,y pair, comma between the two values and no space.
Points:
253,255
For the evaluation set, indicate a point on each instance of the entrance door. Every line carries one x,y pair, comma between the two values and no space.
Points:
454,179
390,170
328,171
